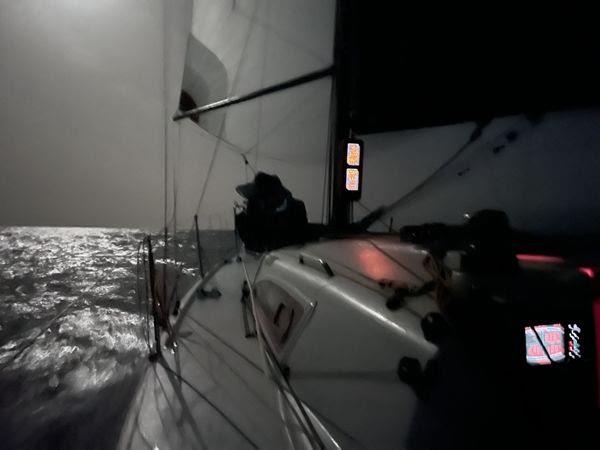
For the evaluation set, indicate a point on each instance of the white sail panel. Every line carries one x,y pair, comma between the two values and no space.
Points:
285,133
235,48
526,176
263,42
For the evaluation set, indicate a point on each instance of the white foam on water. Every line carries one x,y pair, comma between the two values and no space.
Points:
71,338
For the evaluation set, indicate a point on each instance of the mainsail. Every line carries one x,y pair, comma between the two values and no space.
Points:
237,48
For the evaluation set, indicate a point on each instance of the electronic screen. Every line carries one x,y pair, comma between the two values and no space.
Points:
352,180
352,168
353,154
552,343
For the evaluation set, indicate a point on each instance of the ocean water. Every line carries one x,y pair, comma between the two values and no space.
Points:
71,332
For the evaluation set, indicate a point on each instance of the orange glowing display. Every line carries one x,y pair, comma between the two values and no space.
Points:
352,168
352,180
353,154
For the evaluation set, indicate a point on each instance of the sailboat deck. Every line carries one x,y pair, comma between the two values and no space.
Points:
211,392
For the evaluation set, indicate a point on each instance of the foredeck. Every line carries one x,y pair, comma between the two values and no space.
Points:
211,392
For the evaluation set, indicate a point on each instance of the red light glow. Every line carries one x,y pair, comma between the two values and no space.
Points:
546,259
589,271
596,310
375,265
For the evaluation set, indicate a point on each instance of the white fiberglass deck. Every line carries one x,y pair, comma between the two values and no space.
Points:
211,393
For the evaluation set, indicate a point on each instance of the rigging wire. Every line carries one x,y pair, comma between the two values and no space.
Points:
185,408
234,83
262,83
254,149
372,211
166,121
209,348
280,33
212,404
165,116
326,177
145,330
174,218
251,364
270,359
248,165
475,135
284,119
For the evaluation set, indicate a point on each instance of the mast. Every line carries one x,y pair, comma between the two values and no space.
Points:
340,214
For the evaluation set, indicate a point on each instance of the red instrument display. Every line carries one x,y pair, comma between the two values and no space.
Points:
552,343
